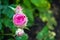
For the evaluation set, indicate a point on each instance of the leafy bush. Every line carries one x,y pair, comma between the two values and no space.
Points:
29,6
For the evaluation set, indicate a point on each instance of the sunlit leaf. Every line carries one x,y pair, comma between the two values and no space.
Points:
41,3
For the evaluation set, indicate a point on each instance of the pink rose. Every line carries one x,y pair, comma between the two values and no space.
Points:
19,32
20,20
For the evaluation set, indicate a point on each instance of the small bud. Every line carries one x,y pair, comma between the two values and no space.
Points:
18,9
19,32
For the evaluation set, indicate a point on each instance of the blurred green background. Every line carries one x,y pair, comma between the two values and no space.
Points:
43,19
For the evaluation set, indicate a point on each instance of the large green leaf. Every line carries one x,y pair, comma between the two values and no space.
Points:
41,3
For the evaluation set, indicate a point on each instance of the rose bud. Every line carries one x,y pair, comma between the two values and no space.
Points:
18,9
19,32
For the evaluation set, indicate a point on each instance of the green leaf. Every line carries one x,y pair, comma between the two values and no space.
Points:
27,3
9,24
45,16
48,38
44,4
35,2
29,14
53,21
51,36
23,37
8,11
43,33
5,2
